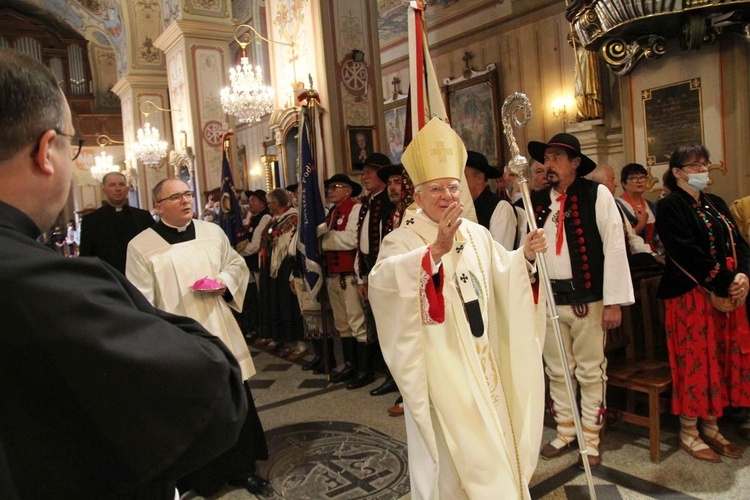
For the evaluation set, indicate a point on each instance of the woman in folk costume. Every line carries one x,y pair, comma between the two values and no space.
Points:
709,350
640,212
462,335
280,320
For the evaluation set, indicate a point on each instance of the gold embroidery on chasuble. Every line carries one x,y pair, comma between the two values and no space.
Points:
489,366
485,354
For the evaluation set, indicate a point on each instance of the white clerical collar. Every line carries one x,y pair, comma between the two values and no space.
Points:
180,229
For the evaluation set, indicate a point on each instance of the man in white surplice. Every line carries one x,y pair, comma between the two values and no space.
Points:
163,262
462,335
163,271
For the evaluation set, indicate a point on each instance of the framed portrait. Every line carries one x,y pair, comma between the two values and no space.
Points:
395,123
361,145
474,114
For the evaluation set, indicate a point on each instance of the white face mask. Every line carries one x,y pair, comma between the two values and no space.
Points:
697,182
517,197
208,218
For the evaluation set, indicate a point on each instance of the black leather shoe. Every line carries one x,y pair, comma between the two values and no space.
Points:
253,483
321,369
348,373
388,386
313,363
361,381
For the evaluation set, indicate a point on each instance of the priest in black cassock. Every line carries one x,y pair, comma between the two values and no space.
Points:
103,396
106,232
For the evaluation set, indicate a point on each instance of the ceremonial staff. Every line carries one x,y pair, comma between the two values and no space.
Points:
311,214
518,164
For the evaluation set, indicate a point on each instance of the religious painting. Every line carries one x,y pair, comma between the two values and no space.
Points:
474,115
395,126
673,117
360,145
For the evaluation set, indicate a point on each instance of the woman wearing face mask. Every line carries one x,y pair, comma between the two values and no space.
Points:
709,350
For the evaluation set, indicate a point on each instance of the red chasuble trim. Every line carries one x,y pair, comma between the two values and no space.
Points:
434,294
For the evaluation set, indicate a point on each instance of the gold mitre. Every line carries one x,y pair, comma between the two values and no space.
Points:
435,152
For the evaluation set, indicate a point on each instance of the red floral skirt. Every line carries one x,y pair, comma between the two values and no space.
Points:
709,369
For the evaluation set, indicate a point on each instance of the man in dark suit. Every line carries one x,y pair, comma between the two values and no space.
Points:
103,396
106,232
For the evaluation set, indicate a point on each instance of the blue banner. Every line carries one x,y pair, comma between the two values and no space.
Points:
311,213
230,218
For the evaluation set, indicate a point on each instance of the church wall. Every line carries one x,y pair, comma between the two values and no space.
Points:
528,43
722,69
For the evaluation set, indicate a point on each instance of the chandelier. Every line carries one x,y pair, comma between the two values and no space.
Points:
247,97
104,164
149,148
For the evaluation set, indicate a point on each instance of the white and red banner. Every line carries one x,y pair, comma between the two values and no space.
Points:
425,99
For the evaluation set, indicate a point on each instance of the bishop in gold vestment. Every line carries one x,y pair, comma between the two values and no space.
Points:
462,334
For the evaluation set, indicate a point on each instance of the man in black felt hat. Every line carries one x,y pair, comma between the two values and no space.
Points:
259,219
376,206
590,280
392,176
339,242
494,213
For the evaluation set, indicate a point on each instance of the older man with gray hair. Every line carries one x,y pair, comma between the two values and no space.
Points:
462,334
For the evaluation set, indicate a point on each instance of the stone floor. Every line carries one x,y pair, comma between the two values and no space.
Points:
326,442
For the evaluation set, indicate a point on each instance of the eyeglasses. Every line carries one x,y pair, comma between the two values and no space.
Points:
697,165
637,178
188,195
76,143
337,186
439,190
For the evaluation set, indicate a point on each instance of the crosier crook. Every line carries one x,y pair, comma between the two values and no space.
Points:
519,165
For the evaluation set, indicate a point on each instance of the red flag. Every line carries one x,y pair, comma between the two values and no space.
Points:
425,101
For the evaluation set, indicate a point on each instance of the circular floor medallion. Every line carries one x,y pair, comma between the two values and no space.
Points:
335,460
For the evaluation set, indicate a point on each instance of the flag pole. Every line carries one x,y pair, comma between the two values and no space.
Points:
518,164
308,114
312,95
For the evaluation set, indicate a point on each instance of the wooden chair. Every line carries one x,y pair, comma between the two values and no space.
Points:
644,375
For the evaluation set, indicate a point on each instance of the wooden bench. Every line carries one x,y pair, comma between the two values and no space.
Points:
643,374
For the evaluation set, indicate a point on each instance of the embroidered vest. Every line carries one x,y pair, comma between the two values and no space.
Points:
340,261
582,236
379,207
485,205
